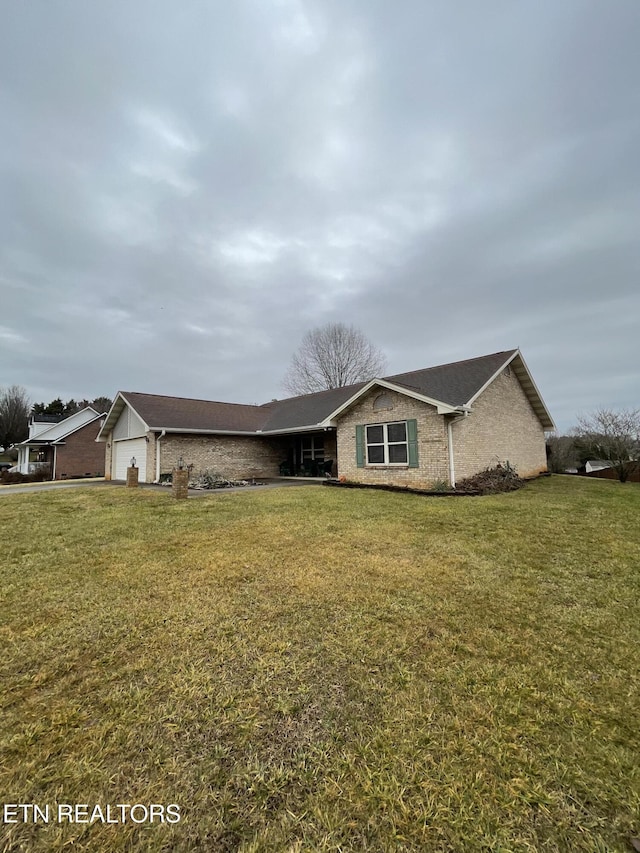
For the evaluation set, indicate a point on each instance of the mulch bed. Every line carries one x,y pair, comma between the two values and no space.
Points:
450,493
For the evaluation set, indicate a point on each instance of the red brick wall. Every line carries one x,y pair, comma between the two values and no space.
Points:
80,454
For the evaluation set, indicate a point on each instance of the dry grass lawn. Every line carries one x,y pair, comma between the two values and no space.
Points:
323,669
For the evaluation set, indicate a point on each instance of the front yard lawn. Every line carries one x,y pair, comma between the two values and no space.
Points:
324,669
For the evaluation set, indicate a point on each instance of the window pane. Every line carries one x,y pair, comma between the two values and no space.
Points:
375,454
397,453
375,434
397,432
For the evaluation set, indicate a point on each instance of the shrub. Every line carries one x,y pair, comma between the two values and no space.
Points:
15,477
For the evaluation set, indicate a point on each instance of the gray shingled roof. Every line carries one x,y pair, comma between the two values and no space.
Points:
183,413
454,384
308,409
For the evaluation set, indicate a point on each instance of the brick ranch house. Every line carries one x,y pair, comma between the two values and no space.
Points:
414,429
66,445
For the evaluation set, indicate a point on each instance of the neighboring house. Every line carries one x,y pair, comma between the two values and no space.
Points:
415,429
67,446
596,465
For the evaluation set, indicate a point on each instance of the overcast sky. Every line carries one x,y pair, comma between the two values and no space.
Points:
188,187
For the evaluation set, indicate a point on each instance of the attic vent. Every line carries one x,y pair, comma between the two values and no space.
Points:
382,401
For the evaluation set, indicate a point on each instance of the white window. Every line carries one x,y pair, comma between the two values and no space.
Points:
386,444
312,448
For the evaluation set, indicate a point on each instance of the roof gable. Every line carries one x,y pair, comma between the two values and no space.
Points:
65,427
455,383
455,386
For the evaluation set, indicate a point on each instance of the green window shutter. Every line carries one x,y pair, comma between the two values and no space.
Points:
412,440
360,446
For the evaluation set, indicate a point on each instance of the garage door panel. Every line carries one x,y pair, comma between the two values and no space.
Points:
123,451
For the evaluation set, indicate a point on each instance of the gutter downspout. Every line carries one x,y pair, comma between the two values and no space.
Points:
55,461
452,473
162,435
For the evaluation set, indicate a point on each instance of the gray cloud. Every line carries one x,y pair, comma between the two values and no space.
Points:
185,190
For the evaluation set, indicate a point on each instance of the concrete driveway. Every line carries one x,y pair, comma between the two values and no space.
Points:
29,488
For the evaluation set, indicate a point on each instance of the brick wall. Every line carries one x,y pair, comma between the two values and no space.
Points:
432,442
502,427
331,449
233,457
81,454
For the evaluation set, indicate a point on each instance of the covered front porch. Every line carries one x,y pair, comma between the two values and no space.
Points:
310,454
36,457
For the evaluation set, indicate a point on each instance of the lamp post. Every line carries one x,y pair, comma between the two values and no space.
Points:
132,473
180,480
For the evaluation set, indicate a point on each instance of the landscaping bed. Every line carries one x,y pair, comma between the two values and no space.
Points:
491,481
435,493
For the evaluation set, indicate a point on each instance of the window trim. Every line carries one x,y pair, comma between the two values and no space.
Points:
385,444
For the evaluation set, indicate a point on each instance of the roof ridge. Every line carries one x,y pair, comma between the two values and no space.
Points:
193,399
316,393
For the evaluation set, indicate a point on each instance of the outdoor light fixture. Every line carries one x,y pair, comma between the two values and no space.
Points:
133,461
180,463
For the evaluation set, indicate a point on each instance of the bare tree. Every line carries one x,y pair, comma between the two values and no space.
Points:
333,356
561,453
613,437
14,415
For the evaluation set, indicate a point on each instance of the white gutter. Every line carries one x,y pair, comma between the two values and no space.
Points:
162,435
293,430
255,434
198,431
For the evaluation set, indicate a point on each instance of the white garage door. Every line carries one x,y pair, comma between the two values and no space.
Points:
122,453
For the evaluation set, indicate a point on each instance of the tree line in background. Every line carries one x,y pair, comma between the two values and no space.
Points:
15,409
57,408
613,437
